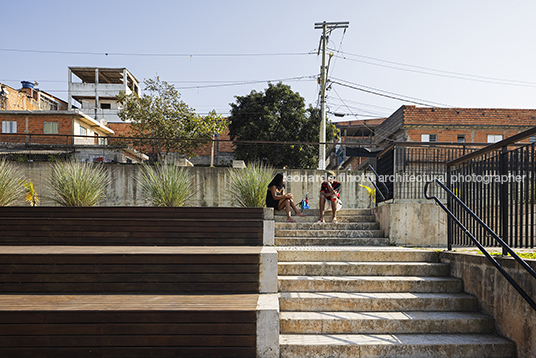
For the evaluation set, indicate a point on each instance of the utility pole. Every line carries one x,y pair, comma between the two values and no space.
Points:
327,28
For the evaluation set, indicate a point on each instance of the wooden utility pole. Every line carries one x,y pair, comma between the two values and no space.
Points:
326,27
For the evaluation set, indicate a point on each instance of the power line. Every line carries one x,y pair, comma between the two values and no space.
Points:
159,54
440,73
387,94
250,82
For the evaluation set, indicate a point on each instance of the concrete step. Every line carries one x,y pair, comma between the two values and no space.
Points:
368,284
355,254
364,269
396,345
327,226
384,322
327,217
376,302
328,233
342,212
333,241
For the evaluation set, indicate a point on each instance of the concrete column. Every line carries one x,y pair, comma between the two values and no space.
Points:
268,236
268,270
69,96
96,93
268,326
125,80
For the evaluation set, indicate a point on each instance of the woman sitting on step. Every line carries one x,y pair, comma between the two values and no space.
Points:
330,191
277,199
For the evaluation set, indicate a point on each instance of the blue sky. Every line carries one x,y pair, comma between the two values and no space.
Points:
462,53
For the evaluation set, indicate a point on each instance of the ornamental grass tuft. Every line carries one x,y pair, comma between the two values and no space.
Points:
78,184
165,185
10,183
249,185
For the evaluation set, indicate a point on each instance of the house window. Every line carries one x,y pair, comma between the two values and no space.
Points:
83,131
532,139
50,127
106,106
428,137
9,127
461,138
494,138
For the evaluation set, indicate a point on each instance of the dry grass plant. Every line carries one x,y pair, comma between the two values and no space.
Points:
165,185
11,178
249,185
78,184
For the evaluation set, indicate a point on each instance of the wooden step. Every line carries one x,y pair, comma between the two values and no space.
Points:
127,325
128,269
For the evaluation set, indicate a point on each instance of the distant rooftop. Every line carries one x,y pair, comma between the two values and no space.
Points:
106,74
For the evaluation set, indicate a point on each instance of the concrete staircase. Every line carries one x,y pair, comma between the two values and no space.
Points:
345,293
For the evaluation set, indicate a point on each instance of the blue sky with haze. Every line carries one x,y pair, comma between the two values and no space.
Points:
470,53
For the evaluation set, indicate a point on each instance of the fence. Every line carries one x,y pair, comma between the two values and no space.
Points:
406,167
498,183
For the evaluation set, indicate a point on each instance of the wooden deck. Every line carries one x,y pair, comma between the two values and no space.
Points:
90,282
131,226
93,269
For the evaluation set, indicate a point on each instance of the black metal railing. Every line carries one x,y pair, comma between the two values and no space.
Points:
498,183
407,166
505,246
379,180
385,169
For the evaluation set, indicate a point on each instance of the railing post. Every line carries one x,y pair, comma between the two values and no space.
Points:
449,220
503,197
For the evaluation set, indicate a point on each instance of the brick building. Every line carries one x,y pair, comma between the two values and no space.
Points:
474,125
447,125
58,132
28,98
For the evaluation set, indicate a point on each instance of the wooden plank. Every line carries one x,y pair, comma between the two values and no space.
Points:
139,287
128,341
125,352
106,304
128,317
129,212
128,268
125,278
105,328
130,250
130,259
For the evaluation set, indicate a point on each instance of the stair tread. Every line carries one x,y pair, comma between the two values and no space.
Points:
374,295
363,263
369,278
389,315
391,339
348,248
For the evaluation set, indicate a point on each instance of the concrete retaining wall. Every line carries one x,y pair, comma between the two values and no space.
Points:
210,185
413,223
514,318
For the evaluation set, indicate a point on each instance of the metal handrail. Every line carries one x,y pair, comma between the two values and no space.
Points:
378,178
527,298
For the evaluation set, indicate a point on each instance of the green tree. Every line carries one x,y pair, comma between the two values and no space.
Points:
277,114
163,121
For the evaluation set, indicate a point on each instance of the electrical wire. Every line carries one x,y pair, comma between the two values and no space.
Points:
387,94
299,78
439,73
159,54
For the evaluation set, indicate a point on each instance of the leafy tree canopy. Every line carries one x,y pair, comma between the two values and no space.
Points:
277,114
162,120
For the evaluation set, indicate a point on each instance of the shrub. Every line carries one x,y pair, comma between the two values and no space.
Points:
10,183
249,185
165,185
78,184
